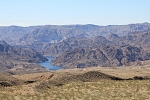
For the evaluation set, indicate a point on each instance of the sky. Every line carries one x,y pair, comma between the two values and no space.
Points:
70,12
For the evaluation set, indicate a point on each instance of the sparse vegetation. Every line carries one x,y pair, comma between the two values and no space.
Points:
105,90
74,88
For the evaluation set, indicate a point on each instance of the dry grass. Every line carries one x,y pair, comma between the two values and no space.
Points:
74,89
101,90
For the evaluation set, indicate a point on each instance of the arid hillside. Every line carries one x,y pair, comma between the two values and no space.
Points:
93,83
19,59
105,55
108,51
17,35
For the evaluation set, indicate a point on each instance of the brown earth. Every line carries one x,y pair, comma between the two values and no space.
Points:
71,82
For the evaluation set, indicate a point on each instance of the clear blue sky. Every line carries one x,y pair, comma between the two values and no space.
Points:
64,12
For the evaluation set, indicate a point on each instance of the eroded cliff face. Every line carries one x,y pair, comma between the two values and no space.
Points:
116,50
55,49
33,35
107,56
72,40
11,56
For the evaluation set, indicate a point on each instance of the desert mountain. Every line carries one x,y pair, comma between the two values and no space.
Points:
138,39
106,56
99,51
58,41
16,35
55,49
11,56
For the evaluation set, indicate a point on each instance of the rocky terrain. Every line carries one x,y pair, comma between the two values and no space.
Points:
76,46
82,48
138,39
55,49
107,56
34,36
100,51
12,58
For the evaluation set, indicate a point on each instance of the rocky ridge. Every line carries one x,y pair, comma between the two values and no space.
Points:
108,56
11,57
17,35
99,51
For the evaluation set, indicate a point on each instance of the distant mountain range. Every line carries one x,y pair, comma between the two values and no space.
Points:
76,46
138,39
98,51
35,35
55,49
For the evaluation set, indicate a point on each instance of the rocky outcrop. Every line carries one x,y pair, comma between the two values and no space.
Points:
107,56
138,39
55,49
11,56
16,35
76,45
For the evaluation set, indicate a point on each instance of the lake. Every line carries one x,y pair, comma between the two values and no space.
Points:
47,64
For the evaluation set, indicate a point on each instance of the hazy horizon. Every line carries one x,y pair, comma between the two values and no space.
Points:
68,24
68,12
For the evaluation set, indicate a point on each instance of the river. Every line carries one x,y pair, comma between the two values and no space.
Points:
47,64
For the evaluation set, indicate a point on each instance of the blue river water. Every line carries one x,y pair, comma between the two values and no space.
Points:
47,64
